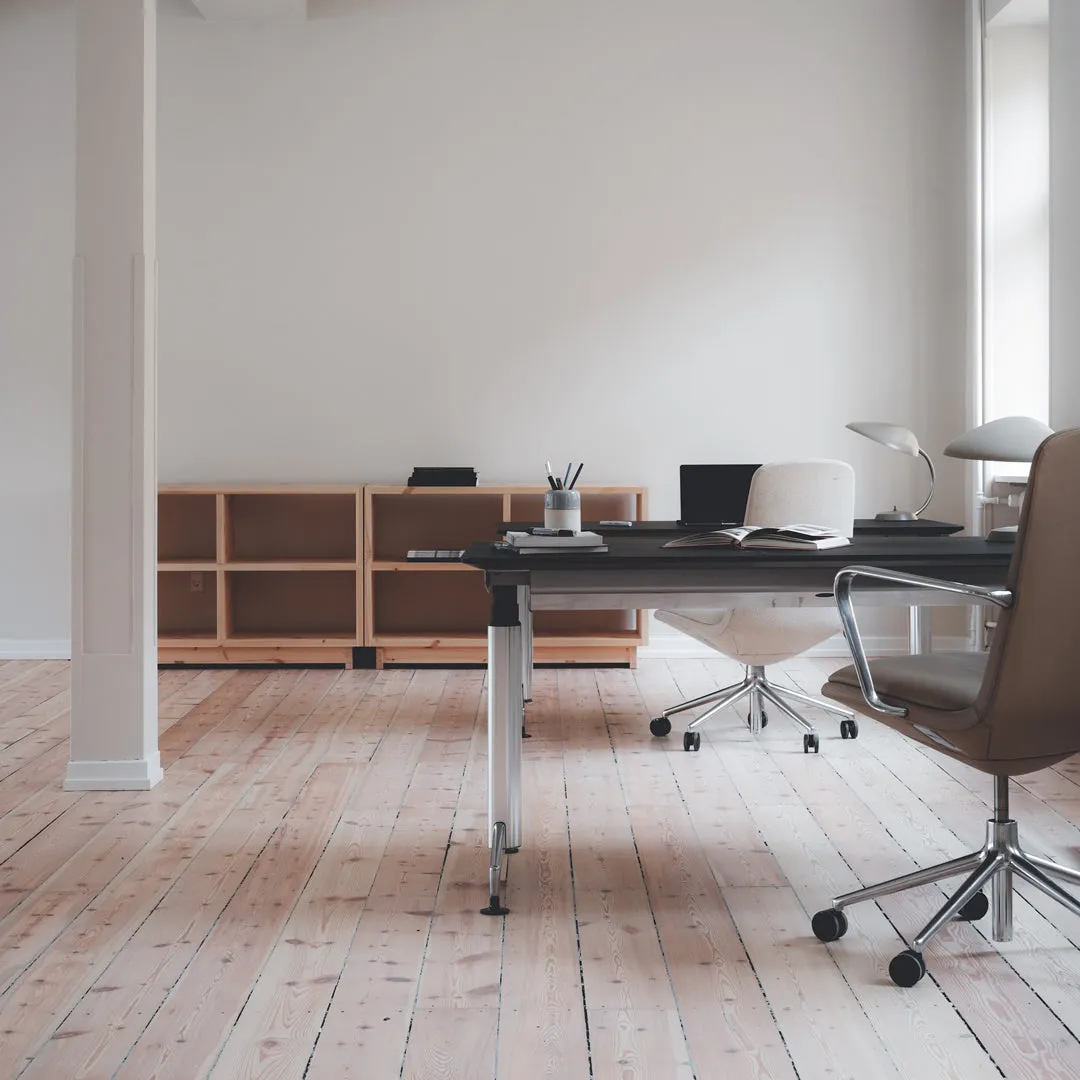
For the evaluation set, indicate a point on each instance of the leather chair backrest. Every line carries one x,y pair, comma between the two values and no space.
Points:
1030,696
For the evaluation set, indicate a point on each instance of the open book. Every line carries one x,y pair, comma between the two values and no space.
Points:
748,536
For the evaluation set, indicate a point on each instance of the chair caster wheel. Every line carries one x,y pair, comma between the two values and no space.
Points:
849,729
764,720
660,725
829,925
974,909
810,742
907,968
691,740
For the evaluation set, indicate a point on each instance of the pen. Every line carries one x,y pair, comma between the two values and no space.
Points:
577,474
550,478
566,478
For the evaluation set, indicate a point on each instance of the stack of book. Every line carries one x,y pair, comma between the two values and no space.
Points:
546,540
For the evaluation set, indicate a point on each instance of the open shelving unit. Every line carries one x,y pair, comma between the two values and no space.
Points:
417,613
259,574
306,574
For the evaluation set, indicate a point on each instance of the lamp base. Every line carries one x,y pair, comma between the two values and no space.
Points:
1003,534
896,515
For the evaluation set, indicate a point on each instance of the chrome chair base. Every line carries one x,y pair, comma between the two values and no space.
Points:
995,864
756,686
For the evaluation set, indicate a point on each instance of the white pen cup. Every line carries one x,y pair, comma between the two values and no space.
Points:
562,509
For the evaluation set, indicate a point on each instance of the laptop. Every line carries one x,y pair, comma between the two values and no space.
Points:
713,496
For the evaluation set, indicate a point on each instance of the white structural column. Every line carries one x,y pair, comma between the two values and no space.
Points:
114,742
1064,213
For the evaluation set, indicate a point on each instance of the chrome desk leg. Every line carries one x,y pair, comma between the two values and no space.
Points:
505,712
919,630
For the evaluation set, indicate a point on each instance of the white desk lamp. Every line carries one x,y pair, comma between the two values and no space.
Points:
896,438
1011,438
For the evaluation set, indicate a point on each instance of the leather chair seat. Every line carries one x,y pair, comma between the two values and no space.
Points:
948,681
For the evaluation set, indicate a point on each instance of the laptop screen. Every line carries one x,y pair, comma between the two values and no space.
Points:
713,494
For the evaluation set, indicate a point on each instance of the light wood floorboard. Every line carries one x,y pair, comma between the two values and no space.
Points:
299,898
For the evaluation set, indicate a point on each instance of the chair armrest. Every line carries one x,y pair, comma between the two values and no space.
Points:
842,588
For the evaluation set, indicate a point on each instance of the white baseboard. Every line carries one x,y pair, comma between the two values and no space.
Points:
672,645
136,775
14,649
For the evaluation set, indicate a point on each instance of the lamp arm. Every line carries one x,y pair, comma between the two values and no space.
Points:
930,465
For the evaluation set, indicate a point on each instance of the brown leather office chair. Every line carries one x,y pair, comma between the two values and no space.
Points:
1010,711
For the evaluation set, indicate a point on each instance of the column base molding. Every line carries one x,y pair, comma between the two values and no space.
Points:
137,775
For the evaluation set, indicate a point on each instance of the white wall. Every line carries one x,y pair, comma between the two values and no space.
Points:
1064,213
37,227
630,233
623,232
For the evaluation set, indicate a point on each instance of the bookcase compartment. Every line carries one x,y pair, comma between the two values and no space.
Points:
292,604
426,518
187,605
187,527
431,604
278,527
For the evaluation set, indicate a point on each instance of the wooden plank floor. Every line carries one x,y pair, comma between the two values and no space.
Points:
300,896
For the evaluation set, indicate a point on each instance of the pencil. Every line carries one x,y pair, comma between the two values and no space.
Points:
577,474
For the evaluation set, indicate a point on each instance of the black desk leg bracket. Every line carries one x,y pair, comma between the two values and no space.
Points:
498,849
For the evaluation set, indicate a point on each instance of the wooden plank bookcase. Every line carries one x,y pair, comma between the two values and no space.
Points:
434,612
306,573
259,574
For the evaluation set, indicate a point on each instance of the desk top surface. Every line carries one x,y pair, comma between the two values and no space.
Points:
931,555
863,527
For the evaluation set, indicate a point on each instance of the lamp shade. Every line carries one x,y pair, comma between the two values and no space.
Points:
902,440
891,435
1012,438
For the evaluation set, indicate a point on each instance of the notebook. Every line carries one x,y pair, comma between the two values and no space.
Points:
713,496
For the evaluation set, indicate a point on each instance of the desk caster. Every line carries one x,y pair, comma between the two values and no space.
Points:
691,740
849,729
810,742
660,725
764,720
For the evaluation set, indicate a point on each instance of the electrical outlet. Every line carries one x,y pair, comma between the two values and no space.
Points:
197,581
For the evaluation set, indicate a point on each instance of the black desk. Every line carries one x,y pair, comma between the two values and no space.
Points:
638,572
863,527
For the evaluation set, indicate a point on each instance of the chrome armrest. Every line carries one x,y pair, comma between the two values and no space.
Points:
842,588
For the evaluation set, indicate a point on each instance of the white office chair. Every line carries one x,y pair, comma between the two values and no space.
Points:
819,492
